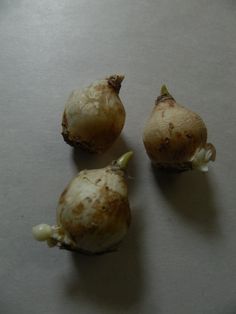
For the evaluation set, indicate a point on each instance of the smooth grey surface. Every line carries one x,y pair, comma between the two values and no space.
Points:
180,254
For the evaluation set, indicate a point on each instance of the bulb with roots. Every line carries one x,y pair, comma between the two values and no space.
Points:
93,213
175,137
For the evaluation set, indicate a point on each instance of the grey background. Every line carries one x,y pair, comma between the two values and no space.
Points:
180,254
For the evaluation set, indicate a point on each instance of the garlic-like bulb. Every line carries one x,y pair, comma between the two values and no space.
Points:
175,137
93,213
94,116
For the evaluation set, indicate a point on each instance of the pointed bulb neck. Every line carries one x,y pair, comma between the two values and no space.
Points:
115,82
122,162
164,95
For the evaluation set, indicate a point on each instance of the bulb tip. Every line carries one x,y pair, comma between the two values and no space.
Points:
117,77
120,77
123,161
115,81
164,90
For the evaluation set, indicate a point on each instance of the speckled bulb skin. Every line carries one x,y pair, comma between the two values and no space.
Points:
94,210
93,213
174,136
94,116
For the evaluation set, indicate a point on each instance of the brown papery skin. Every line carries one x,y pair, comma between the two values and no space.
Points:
173,133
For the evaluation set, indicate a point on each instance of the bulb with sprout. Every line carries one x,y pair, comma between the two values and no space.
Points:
175,137
93,213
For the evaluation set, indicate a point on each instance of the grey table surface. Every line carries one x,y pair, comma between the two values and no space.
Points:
180,254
